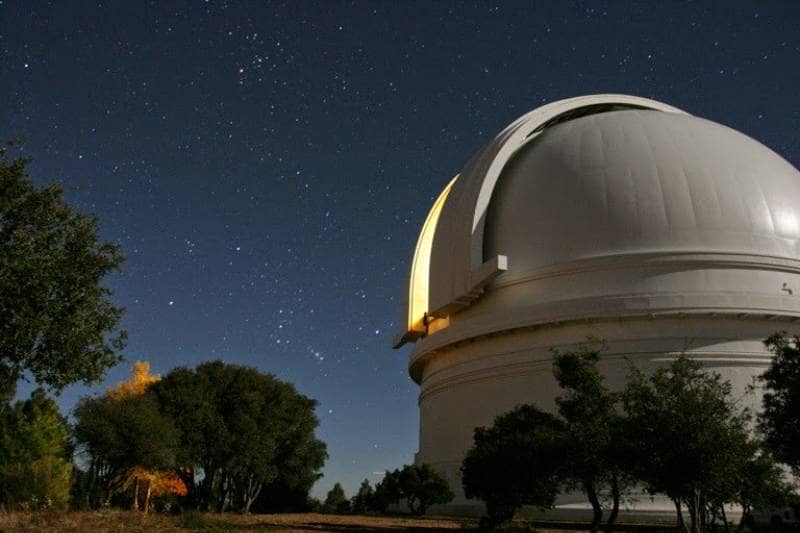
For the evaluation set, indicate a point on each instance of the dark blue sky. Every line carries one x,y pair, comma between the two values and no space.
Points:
266,166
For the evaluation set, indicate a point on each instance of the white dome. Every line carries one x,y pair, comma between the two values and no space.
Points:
606,206
641,182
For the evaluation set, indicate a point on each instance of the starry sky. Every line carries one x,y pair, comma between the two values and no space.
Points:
266,166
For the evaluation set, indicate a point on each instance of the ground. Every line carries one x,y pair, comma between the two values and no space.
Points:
113,520
117,521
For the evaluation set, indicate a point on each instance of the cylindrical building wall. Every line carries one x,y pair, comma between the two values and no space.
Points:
471,384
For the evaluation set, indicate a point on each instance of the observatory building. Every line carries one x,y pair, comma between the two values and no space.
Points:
606,216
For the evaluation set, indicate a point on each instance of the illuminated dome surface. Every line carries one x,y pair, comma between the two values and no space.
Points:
609,216
634,182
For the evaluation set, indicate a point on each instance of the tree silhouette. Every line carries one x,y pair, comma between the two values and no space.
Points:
57,320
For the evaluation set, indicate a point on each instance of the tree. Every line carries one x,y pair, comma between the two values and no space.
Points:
387,491
141,378
422,486
288,493
57,320
780,419
593,426
687,438
152,482
35,466
148,469
515,462
336,501
244,430
761,486
363,500
120,435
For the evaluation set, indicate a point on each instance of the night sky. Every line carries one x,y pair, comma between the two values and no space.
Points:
266,166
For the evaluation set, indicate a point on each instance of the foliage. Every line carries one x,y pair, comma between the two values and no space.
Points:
780,419
141,378
761,486
139,480
288,493
593,426
363,500
148,483
119,435
35,471
515,462
387,491
422,486
58,322
687,439
242,429
336,501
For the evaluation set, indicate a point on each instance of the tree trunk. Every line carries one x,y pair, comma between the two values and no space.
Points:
724,518
246,494
702,511
147,497
252,495
612,518
135,506
186,475
597,510
226,484
743,519
679,513
694,512
206,488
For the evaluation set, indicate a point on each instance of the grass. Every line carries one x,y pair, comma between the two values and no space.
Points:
112,520
117,521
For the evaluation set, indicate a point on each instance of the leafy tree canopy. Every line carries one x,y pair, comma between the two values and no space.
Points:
118,432
515,462
242,429
593,425
362,501
57,320
387,491
35,466
422,486
780,419
687,437
336,501
121,434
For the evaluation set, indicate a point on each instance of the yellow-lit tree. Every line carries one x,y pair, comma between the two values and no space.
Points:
141,378
151,482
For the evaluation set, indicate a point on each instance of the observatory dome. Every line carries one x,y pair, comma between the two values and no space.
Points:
641,182
606,216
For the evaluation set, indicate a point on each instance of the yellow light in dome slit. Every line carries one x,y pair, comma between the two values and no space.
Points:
420,267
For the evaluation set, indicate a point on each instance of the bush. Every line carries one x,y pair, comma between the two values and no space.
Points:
336,501
363,500
515,462
35,472
422,487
